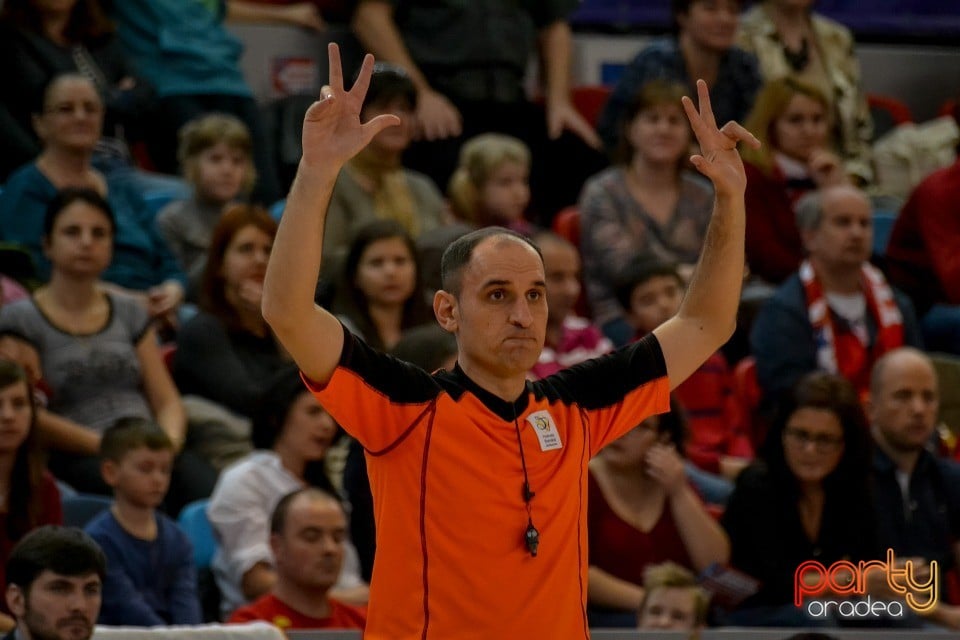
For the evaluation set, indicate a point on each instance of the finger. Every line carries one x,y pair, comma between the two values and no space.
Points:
701,164
700,129
336,68
736,131
706,109
378,124
360,87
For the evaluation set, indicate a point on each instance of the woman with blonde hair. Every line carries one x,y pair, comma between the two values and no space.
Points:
792,121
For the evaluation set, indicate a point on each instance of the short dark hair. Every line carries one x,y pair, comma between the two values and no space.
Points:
67,551
458,254
278,519
66,197
388,83
426,346
682,7
127,434
637,272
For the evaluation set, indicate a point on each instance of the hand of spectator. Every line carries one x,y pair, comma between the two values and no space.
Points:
826,169
665,466
563,115
126,83
303,14
718,158
6,623
164,299
23,353
332,131
437,118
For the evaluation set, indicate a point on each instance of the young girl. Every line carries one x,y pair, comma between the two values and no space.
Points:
491,185
216,158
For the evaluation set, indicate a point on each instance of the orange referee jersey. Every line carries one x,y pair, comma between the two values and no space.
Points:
445,472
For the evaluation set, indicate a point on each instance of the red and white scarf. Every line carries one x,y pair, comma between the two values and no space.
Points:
843,352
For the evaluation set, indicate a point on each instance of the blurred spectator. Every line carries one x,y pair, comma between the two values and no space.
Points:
430,348
922,257
308,531
837,313
292,434
917,494
374,184
789,39
39,40
807,498
98,350
701,48
183,49
380,295
307,15
642,511
215,158
468,61
151,579
54,576
792,121
69,124
672,599
651,292
30,496
570,339
649,204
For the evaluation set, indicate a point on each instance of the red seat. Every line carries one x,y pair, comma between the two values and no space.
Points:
589,101
566,224
748,394
899,112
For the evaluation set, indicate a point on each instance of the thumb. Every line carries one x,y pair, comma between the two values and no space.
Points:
379,123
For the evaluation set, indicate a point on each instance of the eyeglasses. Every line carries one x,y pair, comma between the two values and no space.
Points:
821,441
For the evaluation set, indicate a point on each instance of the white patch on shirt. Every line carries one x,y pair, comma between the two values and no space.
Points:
546,430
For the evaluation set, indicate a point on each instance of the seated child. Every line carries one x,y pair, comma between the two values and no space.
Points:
651,292
151,579
672,600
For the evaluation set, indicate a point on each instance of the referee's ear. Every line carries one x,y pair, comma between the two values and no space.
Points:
446,311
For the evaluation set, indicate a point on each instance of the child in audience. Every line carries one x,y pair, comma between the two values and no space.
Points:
672,599
216,158
651,292
150,579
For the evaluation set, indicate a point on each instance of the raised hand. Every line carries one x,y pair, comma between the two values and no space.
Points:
718,158
332,131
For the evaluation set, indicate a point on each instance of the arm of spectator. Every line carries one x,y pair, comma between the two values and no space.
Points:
65,435
257,580
555,46
161,393
298,14
332,134
373,23
6,623
605,590
183,596
730,466
707,316
704,539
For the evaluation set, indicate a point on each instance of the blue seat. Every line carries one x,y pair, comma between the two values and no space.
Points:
276,209
194,522
883,222
81,508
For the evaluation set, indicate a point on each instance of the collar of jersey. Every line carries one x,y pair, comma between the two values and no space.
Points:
457,382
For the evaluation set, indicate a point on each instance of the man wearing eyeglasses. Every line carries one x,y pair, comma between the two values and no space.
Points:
917,493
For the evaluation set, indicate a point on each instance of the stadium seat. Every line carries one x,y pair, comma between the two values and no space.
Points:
194,522
589,101
883,222
887,113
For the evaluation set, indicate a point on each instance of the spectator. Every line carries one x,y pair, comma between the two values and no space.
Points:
672,599
374,184
292,434
69,124
380,295
917,494
642,511
789,39
651,291
308,529
792,120
98,350
183,49
215,157
806,498
837,314
307,15
649,204
39,40
150,578
226,353
54,577
570,338
30,497
468,62
702,47
430,348
922,260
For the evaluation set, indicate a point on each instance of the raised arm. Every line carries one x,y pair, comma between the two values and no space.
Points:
332,134
707,317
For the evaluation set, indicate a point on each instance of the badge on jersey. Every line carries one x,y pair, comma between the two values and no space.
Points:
546,430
